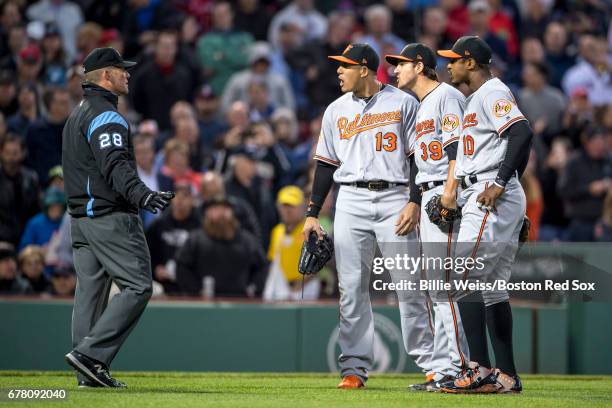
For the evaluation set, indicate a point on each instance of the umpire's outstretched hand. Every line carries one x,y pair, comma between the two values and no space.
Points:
157,200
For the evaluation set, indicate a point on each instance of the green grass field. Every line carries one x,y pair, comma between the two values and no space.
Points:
270,390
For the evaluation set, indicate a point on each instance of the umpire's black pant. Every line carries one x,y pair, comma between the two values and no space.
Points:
108,248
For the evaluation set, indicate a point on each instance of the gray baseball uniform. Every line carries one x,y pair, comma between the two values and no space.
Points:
490,110
438,125
370,140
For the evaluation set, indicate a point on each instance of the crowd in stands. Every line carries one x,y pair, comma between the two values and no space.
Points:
225,107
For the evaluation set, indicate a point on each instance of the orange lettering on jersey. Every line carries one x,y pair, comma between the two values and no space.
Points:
368,121
469,120
424,127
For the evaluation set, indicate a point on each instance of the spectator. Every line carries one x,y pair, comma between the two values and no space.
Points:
223,251
55,178
11,282
543,105
206,104
88,39
29,110
176,164
458,18
144,154
302,13
29,64
259,101
592,72
17,40
603,229
480,13
585,181
321,76
285,248
223,51
259,68
143,19
66,15
253,17
44,136
8,94
162,81
186,129
74,80
553,221
168,233
378,20
404,25
63,282
503,27
18,190
579,114
31,261
111,37
536,19
41,227
555,43
10,16
54,57
212,186
435,22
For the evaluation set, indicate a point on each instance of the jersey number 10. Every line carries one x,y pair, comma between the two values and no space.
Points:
468,145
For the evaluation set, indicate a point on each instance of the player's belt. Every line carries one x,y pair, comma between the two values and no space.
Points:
374,185
430,184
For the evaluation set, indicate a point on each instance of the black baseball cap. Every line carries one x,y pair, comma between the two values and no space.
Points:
358,54
415,52
105,57
469,46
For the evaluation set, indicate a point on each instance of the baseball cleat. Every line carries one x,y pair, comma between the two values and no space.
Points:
435,386
94,370
429,379
507,384
472,380
88,384
351,382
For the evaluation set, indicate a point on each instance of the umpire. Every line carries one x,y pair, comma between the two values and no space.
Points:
104,193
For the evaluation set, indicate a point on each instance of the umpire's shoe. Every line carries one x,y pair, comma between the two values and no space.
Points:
472,380
351,382
94,370
88,384
507,384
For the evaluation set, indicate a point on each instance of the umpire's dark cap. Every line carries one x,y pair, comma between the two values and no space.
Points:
105,57
469,46
358,54
415,52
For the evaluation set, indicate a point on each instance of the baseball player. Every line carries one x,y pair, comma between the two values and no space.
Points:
366,137
437,134
104,193
492,153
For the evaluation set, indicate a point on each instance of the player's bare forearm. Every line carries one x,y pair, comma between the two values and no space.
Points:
449,195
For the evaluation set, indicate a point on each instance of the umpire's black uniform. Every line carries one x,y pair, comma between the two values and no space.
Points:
104,193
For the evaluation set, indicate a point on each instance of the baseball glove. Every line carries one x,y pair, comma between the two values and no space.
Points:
524,234
315,253
438,214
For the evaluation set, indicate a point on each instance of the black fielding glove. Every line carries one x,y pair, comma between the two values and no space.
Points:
157,200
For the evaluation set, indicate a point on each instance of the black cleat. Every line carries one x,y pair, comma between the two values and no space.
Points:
94,370
435,386
420,386
518,385
474,379
88,384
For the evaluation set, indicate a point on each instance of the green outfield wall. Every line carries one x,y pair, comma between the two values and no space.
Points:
181,336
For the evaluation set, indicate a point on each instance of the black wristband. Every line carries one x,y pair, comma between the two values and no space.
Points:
313,210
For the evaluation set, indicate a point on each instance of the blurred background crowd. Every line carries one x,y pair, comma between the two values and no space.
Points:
225,107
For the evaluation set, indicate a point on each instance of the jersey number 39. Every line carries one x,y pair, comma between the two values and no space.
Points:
106,140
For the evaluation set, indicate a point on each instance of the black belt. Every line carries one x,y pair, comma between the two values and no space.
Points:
374,185
430,184
468,181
